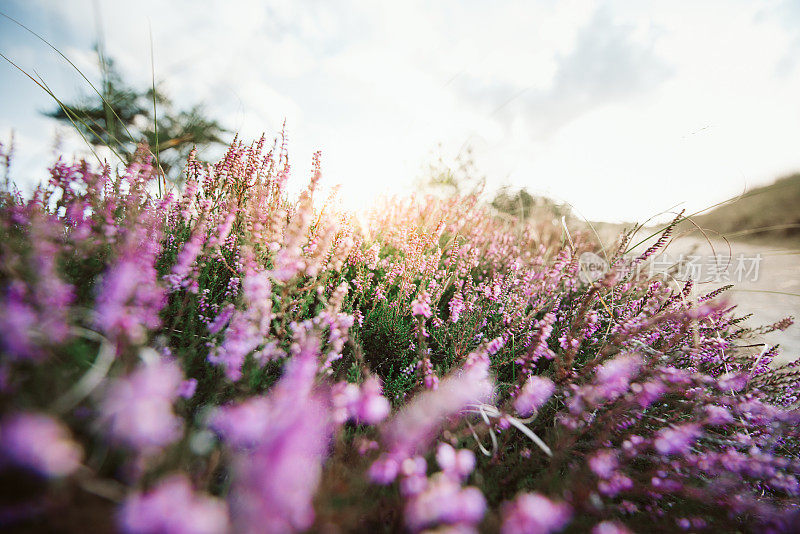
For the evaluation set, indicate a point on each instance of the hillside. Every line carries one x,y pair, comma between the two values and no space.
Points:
767,213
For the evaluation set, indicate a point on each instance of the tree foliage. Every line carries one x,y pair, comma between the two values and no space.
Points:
122,117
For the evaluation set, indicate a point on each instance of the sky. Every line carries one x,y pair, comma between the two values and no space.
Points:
623,109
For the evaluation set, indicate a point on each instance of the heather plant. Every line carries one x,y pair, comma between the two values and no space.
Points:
228,357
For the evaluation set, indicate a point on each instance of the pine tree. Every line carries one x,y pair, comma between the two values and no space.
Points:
124,117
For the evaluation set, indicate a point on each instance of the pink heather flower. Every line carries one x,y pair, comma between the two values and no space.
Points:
465,463
610,527
421,306
38,442
363,446
446,457
364,405
613,378
181,272
274,483
221,320
270,353
413,485
444,502
372,406
248,328
222,230
532,513
603,464
413,472
430,381
344,397
384,470
130,297
649,392
619,370
457,464
243,425
257,291
456,307
187,388
278,462
241,338
495,345
717,415
172,507
676,440
39,313
411,429
533,395
732,382
20,323
413,466
615,484
338,326
137,409
288,262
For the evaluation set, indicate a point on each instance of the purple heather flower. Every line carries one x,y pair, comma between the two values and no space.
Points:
615,375
241,338
717,415
182,270
365,405
344,397
137,408
411,429
421,306
458,464
610,527
274,483
247,329
533,395
35,316
38,442
456,307
676,440
603,463
187,388
648,393
384,470
222,319
444,502
372,407
130,297
495,345
413,472
532,513
430,381
278,460
19,322
173,508
413,485
271,352
732,382
617,483
243,425
222,230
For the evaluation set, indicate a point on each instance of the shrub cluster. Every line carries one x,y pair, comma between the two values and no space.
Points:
232,358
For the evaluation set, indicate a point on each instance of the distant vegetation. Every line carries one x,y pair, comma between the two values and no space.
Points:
770,212
522,205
